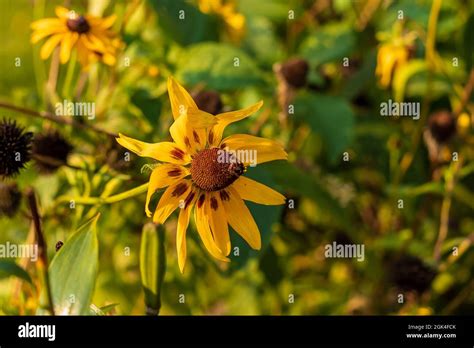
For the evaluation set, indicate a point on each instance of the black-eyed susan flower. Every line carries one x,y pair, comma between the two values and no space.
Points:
91,36
201,170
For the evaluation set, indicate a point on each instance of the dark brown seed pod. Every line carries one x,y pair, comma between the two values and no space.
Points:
442,125
15,148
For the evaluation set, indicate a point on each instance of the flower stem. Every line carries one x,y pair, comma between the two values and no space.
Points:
42,250
57,119
105,200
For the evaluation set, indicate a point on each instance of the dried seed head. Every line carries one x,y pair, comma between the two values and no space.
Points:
442,125
10,198
295,72
78,24
210,172
209,101
411,274
15,147
50,151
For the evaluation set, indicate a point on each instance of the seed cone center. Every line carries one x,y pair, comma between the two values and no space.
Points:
215,169
78,24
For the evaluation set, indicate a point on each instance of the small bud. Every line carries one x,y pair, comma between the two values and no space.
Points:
442,125
209,101
295,72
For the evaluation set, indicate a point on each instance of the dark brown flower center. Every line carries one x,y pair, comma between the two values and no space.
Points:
78,24
215,169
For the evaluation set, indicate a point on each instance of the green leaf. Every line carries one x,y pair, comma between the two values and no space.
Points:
261,41
300,183
329,116
10,268
403,74
194,27
150,106
73,271
152,265
275,10
328,44
94,310
219,66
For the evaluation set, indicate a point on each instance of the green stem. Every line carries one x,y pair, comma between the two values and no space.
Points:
106,200
69,75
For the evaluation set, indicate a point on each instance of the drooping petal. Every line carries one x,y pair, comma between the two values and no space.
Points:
66,46
218,222
257,150
162,176
224,119
41,34
204,230
180,99
164,151
50,45
62,12
93,43
183,222
171,199
107,22
251,190
46,23
240,218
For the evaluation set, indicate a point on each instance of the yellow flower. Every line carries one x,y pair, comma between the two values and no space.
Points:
234,21
205,172
89,35
393,53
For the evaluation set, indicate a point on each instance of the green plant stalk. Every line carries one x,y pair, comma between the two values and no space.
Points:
42,250
69,75
107,200
152,266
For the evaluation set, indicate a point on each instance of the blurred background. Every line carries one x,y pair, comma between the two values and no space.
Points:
403,188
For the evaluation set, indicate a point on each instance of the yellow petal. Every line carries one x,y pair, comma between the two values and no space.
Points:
180,99
183,222
218,222
171,199
82,53
251,190
66,46
240,218
204,230
46,23
201,119
107,22
257,150
186,136
162,176
109,59
164,151
62,12
224,119
93,43
50,45
41,34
